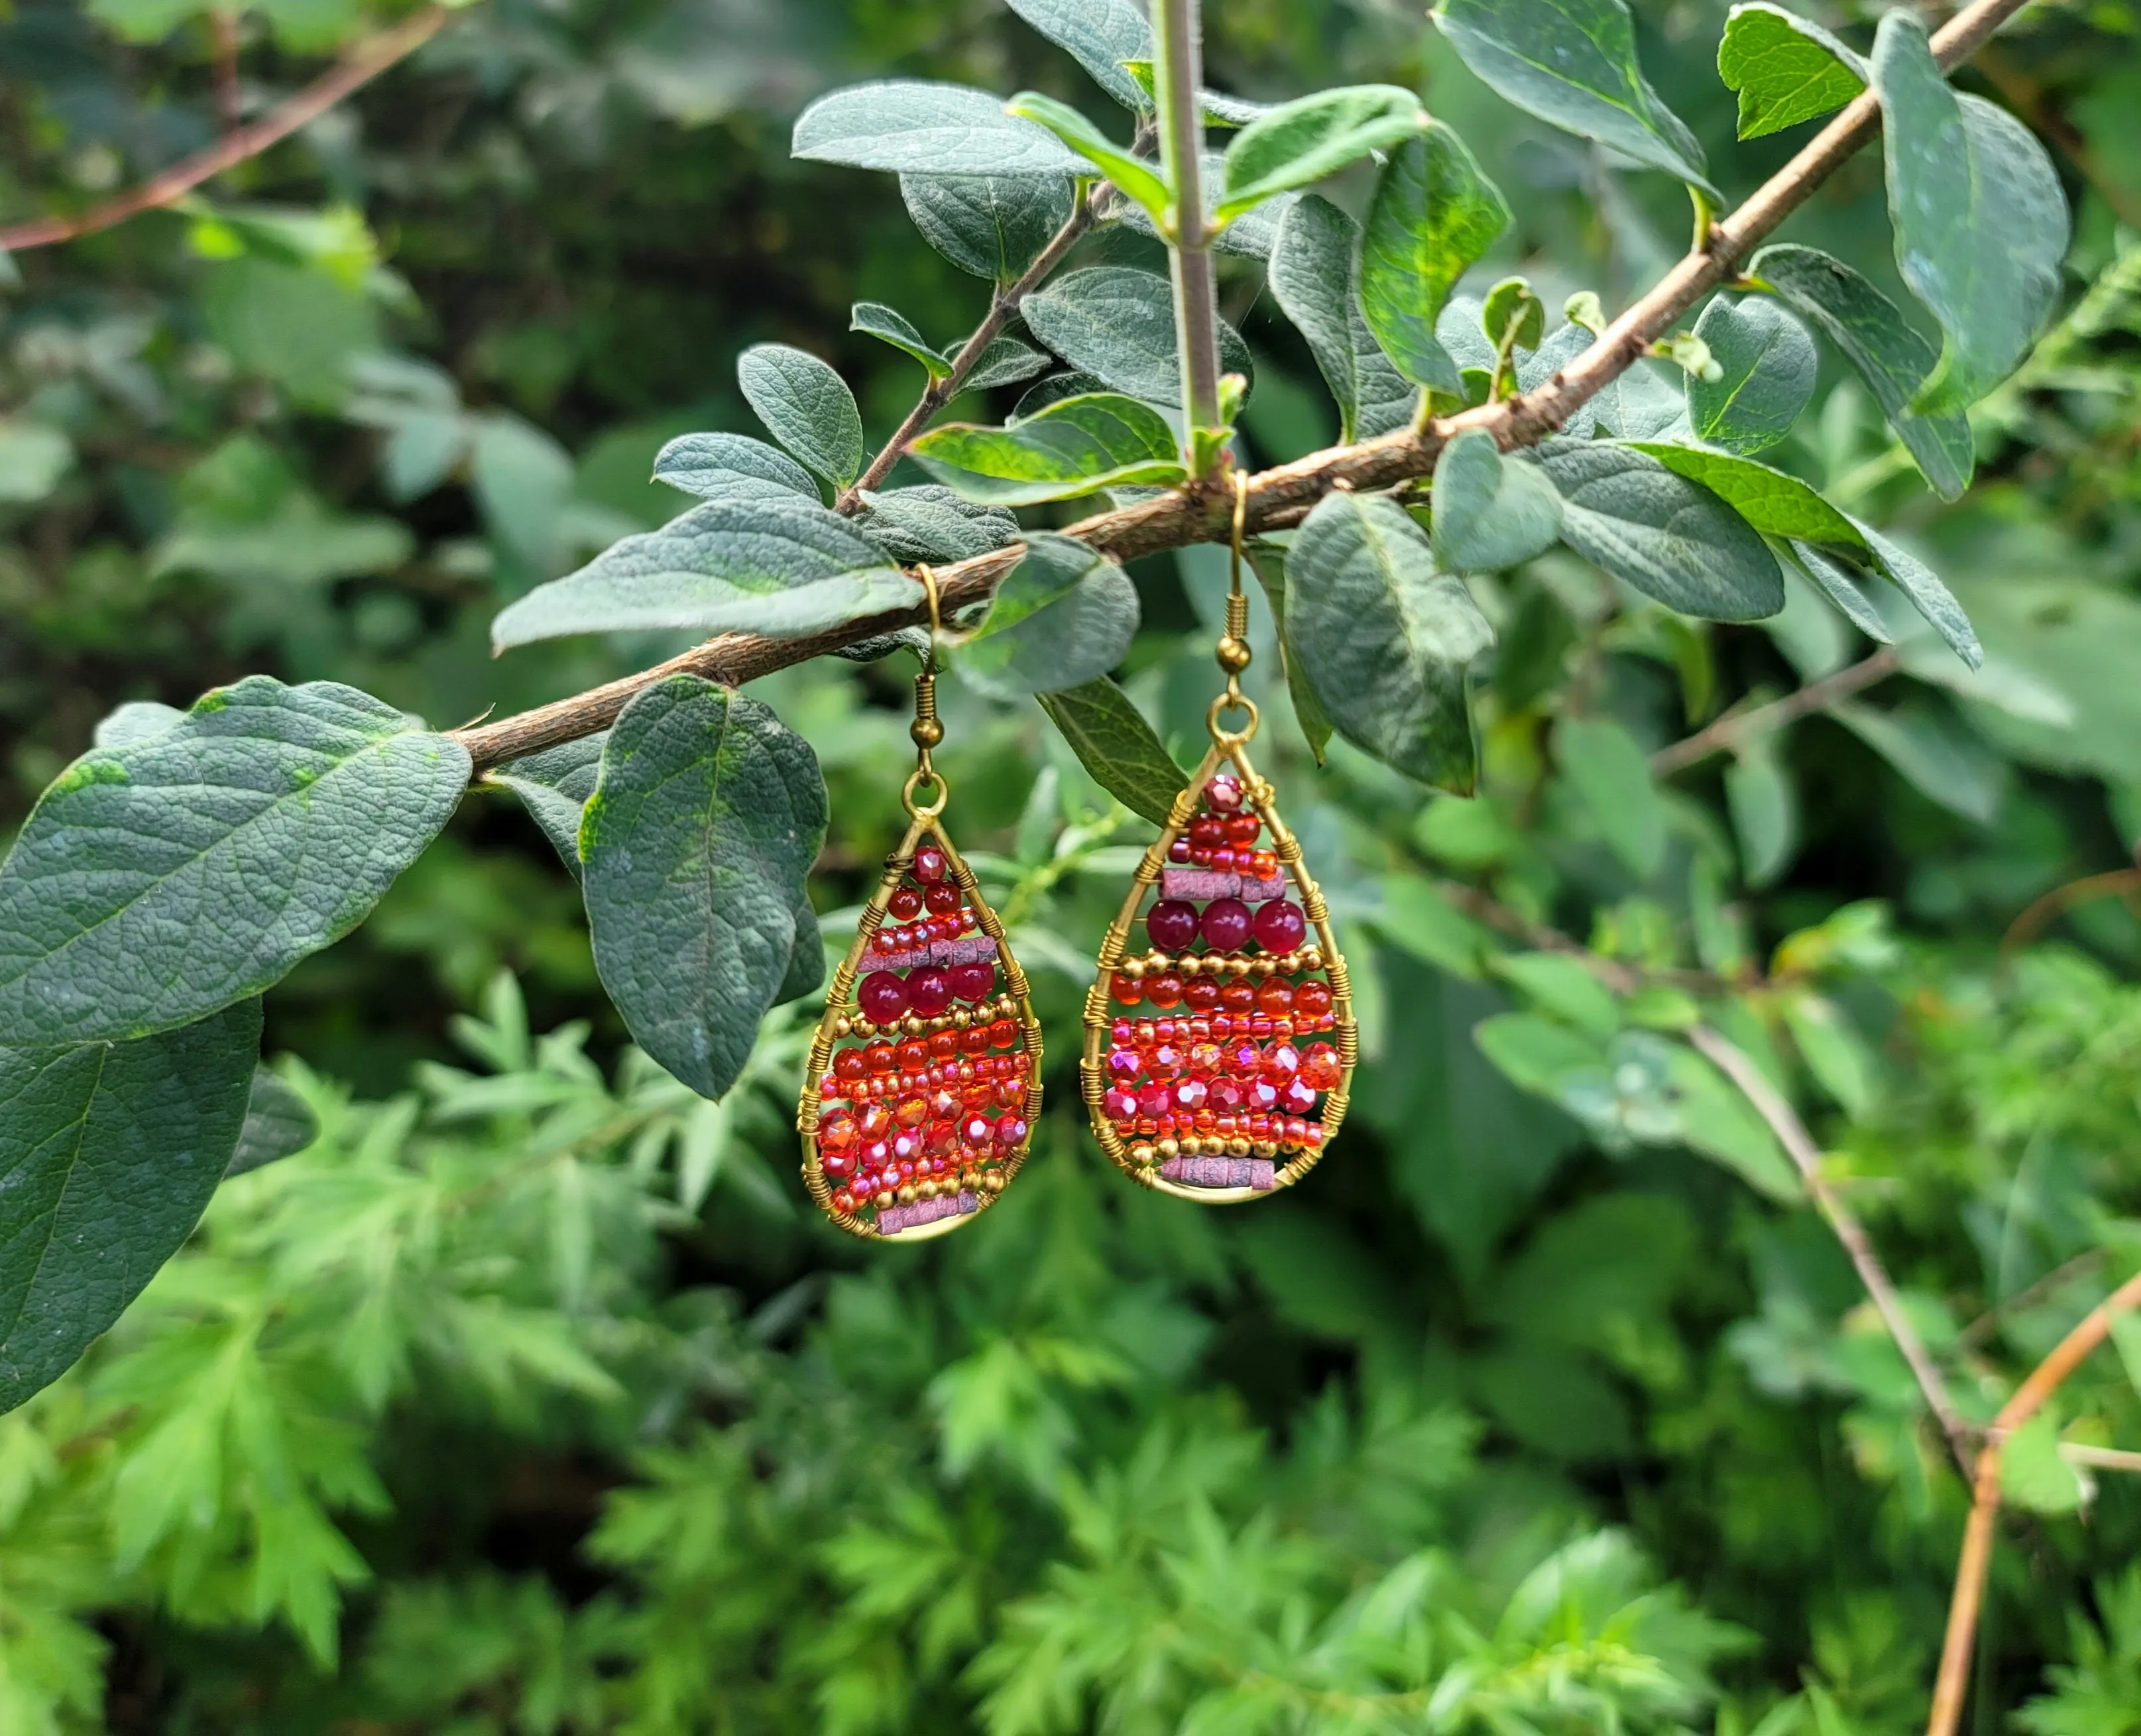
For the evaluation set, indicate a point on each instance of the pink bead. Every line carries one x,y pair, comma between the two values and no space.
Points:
1123,1064
1178,851
929,864
1280,926
882,997
929,991
1154,1101
1171,924
1224,793
1120,1104
1223,1096
975,1130
1297,1097
1226,924
1261,1096
1190,1095
1010,1131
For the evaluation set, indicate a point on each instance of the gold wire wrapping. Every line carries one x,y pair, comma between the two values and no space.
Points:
1229,747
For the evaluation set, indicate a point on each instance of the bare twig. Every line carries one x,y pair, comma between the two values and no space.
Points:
228,102
1178,72
2040,914
1952,1684
1200,512
1621,977
941,392
1980,1328
359,66
2100,1459
1770,1104
1733,728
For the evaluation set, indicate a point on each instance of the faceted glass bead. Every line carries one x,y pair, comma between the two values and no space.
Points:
929,991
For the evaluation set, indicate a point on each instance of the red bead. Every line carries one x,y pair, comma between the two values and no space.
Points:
1119,1104
863,1189
1321,1067
1189,1094
906,1147
1260,1025
943,1045
979,1096
1223,859
882,997
1123,1064
1275,996
1262,863
975,1128
876,1154
1201,993
1223,1096
1226,924
1224,792
1261,1094
943,1102
974,1041
912,1112
885,939
843,1202
1010,1132
1011,1093
1280,926
1242,830
905,904
1124,990
1153,1100
1281,1061
836,1131
1003,1033
942,898
1178,851
1164,1061
1171,924
929,864
875,1121
975,980
1207,832
940,1136
1297,1097
1164,990
847,1065
928,991
913,1055
1205,1059
1312,998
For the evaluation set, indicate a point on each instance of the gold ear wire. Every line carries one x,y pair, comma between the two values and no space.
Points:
1232,651
926,731
928,574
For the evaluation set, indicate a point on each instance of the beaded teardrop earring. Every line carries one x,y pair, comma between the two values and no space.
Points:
1217,1063
924,1077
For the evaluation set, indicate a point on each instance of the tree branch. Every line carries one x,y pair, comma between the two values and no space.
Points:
1735,727
358,68
1953,1682
1770,1104
1200,512
1178,72
941,392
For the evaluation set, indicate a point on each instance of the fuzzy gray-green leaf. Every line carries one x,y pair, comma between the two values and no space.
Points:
807,405
108,1152
992,225
696,845
1386,637
1672,539
781,565
1065,617
1891,358
279,1123
1304,140
1432,215
1071,447
731,466
1980,218
554,786
1117,323
159,881
1490,512
1314,276
1100,35
911,127
1115,743
1766,365
1572,63
889,325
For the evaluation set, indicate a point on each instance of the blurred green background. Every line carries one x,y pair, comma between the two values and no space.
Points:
535,1398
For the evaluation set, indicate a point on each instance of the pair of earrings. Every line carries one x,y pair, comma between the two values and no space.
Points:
1217,1062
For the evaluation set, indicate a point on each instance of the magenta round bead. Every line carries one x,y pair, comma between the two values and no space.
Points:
973,982
928,991
1224,793
1226,924
882,997
1280,926
929,864
1171,924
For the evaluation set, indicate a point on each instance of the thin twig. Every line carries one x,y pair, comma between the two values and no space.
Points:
940,392
2028,1296
1621,977
2043,912
1200,511
1784,1120
228,100
1953,1683
2100,1459
1735,727
359,66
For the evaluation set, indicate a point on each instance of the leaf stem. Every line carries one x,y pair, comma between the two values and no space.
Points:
1284,496
941,389
1735,727
1177,71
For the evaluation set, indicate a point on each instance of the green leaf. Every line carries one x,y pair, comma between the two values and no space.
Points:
1115,743
33,458
1928,596
1100,35
1006,361
1891,358
1490,512
911,126
1513,318
1216,107
1764,809
1668,538
1304,140
1563,986
1433,212
703,826
135,721
1138,178
554,786
1313,274
1611,775
108,1155
1065,617
1536,1054
159,881
1787,69
1932,753
889,325
1074,446
1980,218
927,522
1384,636
1834,1052
279,1123
1250,236
1572,63
728,466
1117,323
1766,365
1719,1122
1268,561
991,225
782,565
2033,1476
807,405
1834,582
1772,501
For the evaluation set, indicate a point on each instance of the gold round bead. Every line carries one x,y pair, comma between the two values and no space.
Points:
928,1190
914,1026
1131,970
961,1018
843,1025
863,1028
926,731
906,1195
1141,1152
1261,968
1156,961
1233,655
1238,1147
1190,964
1264,1148
1237,968
1289,963
1312,958
1170,1146
994,1181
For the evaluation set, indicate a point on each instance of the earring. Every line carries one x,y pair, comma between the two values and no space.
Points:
924,1078
1218,1064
